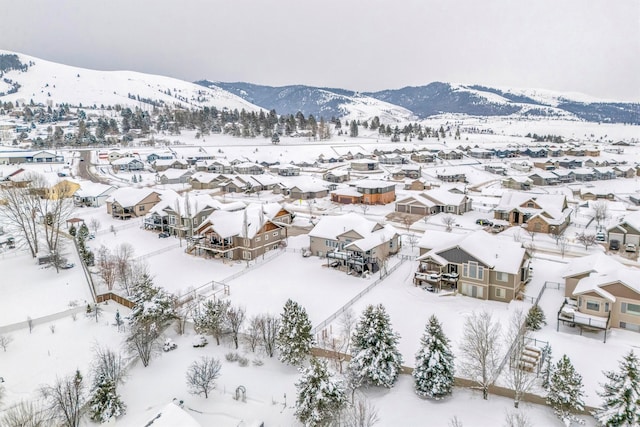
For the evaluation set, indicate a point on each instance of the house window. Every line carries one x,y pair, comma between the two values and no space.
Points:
530,205
266,236
593,305
172,220
246,255
501,277
500,293
473,271
629,308
275,233
258,239
630,326
141,208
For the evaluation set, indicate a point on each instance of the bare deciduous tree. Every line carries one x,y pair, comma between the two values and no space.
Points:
107,267
455,422
94,224
108,364
480,349
235,319
562,246
5,340
123,257
55,207
25,414
269,326
517,419
202,376
20,209
520,376
600,212
360,413
448,221
252,337
65,399
586,240
144,341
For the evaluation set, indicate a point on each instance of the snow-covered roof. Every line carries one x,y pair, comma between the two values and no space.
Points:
169,162
172,173
204,176
93,189
500,254
244,223
373,233
435,238
552,204
173,415
630,277
128,196
444,196
347,191
173,201
632,219
599,263
373,183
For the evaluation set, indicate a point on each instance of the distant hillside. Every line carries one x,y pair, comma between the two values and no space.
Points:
431,100
320,102
26,79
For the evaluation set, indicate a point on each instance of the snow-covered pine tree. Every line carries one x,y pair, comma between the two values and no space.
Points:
535,318
433,374
621,395
151,304
374,348
320,396
294,338
547,367
105,402
565,391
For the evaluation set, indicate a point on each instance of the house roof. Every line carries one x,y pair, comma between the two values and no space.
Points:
445,197
128,196
552,204
93,189
373,233
172,173
499,254
204,177
243,223
599,263
633,220
629,277
173,201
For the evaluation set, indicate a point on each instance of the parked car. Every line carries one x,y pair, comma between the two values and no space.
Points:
334,264
169,345
163,235
497,228
200,341
67,265
429,288
601,237
629,247
614,245
484,222
306,253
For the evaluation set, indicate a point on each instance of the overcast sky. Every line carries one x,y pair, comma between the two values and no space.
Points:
588,46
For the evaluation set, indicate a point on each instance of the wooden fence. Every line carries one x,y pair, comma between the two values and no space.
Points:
114,297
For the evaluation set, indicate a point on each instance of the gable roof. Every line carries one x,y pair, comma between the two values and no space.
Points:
128,196
373,233
629,277
598,263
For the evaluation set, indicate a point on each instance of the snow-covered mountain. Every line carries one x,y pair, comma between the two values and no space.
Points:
26,78
320,102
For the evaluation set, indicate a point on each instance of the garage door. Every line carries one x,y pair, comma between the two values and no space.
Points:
633,238
419,210
616,236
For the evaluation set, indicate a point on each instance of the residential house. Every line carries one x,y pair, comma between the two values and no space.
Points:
450,154
435,201
604,173
128,202
368,192
162,155
417,185
570,163
496,168
174,176
451,176
127,164
480,153
627,230
356,243
546,165
286,170
521,165
605,293
191,154
503,153
164,164
248,168
564,175
337,176
308,189
595,193
238,235
584,174
30,156
536,152
180,215
214,166
543,213
542,177
391,159
93,194
364,165
423,157
624,171
517,183
206,180
411,171
481,265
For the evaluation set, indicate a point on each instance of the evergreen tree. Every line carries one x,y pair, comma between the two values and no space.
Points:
621,395
105,402
535,318
151,304
374,348
294,339
212,318
547,367
320,397
433,373
353,129
565,391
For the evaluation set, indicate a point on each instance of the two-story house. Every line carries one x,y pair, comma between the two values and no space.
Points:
353,242
543,213
180,215
479,265
127,202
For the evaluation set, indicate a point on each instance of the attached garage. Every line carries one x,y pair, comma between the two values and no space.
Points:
624,233
616,236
